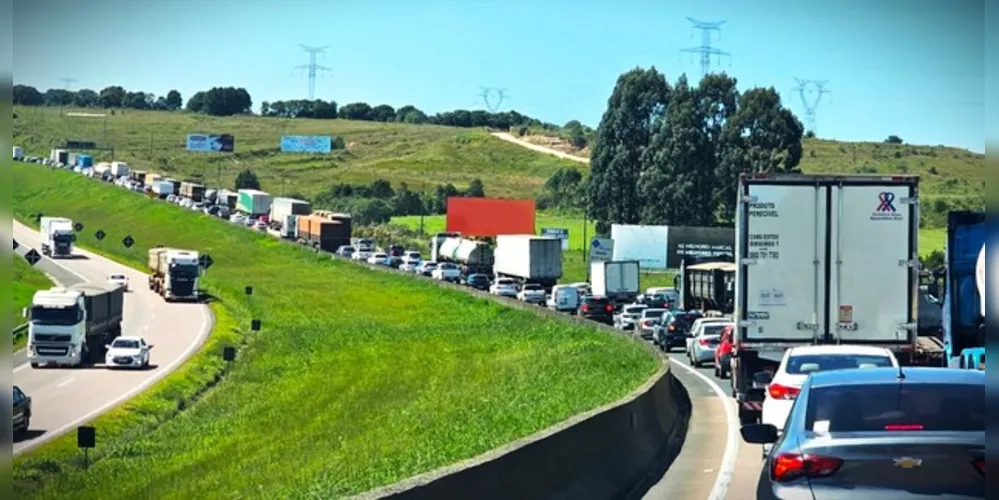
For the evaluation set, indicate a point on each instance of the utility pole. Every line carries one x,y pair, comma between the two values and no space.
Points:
313,67
705,50
811,92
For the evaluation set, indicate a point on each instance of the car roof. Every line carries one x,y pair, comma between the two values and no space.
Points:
913,375
837,349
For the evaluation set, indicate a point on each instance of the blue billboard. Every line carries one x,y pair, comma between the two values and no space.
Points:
306,144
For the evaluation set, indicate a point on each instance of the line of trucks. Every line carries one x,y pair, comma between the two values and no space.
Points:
527,259
835,259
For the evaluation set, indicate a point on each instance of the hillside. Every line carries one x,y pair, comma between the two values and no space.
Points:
425,155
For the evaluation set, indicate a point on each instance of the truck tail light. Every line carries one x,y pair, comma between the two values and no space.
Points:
790,466
778,391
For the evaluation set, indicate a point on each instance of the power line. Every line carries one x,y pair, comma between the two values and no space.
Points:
313,67
705,49
493,98
811,92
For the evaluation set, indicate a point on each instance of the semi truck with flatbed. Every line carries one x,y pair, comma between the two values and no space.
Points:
70,326
822,259
174,273
58,236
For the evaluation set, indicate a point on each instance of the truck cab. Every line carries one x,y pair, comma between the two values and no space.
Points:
58,236
69,326
963,315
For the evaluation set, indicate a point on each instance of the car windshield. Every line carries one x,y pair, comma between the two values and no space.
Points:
532,288
634,309
117,276
125,344
414,256
885,407
18,395
56,315
506,283
653,313
810,363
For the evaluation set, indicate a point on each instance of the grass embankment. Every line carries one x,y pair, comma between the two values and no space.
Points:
26,281
358,379
415,154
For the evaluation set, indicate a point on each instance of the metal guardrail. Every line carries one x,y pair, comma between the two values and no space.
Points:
20,328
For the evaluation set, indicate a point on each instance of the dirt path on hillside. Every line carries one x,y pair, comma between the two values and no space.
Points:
541,149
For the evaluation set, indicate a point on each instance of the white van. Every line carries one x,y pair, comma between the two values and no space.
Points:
564,298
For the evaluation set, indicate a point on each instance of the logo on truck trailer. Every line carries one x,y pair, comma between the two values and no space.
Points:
886,207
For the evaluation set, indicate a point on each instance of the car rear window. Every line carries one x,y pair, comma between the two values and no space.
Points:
810,363
896,407
713,328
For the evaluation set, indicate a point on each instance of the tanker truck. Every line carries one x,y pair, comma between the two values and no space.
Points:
473,257
71,326
174,273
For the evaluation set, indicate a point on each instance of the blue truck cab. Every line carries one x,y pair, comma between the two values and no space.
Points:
963,314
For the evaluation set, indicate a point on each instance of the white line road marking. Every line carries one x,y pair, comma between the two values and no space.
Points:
66,382
727,468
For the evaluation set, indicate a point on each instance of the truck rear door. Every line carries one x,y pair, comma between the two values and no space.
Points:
874,258
780,253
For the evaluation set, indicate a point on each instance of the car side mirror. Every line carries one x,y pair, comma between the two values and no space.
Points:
762,378
107,346
759,433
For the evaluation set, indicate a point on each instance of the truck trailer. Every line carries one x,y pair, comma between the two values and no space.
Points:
963,294
58,236
616,280
529,259
162,189
821,259
323,234
71,326
472,256
253,202
707,284
194,191
174,273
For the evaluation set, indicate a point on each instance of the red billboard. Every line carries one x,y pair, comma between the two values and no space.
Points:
489,216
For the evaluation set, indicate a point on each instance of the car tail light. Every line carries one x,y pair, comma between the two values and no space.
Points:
703,341
586,308
790,466
610,308
672,327
903,427
778,391
979,464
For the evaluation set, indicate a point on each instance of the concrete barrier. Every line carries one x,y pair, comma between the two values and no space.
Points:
606,453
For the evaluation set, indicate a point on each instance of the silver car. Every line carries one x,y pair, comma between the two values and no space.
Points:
705,334
899,433
625,320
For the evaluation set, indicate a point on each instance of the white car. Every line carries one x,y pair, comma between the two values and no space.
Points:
447,271
564,298
532,294
362,253
379,259
504,287
119,280
800,362
625,320
127,352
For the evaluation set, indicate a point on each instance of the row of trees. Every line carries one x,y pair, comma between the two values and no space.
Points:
672,154
109,97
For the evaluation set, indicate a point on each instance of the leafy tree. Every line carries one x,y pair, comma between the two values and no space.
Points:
247,180
26,95
111,97
409,114
381,188
893,139
85,98
406,202
355,111
337,143
475,189
58,97
383,113
566,188
135,100
174,100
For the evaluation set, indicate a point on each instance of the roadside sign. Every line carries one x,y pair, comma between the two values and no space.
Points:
601,249
557,232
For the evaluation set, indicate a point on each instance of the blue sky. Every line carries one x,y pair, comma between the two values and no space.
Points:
913,68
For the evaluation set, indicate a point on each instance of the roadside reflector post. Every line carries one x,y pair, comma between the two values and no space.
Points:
229,354
86,438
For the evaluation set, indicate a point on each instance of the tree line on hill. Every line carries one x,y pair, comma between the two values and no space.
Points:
378,202
229,101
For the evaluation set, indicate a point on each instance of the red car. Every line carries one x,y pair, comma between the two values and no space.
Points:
723,353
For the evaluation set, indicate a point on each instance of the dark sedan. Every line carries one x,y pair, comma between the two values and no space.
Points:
599,309
22,411
477,281
910,433
675,329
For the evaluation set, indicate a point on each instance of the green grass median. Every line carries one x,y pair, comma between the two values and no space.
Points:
26,281
358,378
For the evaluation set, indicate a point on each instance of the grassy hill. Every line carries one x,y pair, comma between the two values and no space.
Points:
26,280
358,378
415,154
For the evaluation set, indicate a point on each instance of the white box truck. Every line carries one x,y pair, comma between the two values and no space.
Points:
528,259
617,280
58,236
162,188
821,260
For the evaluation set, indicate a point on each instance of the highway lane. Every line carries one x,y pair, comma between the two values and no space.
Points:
714,462
64,398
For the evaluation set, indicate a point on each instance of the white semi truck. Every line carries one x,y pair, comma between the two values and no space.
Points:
616,280
71,326
174,273
822,260
58,236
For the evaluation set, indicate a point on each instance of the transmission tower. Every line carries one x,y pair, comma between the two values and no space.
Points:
68,83
811,92
493,98
313,67
705,49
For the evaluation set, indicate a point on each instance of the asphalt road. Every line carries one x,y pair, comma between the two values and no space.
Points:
64,398
714,462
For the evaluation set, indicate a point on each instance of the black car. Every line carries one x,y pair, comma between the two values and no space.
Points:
477,281
911,433
395,250
599,309
395,262
673,332
22,411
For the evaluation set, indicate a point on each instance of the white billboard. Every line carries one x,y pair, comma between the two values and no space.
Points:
646,244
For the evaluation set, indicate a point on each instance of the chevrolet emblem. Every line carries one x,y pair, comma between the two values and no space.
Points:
908,462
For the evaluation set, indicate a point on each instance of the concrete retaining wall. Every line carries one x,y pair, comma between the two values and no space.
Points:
603,454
